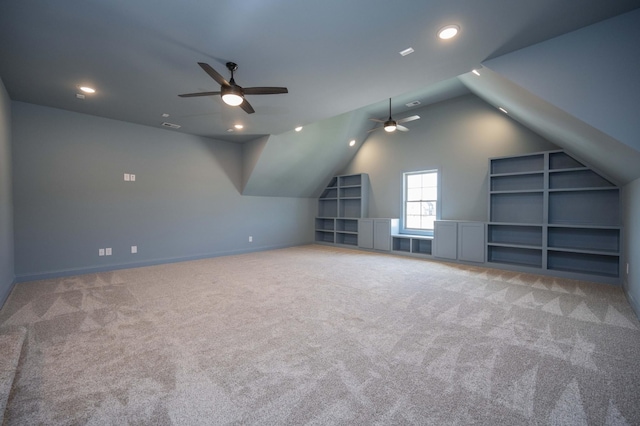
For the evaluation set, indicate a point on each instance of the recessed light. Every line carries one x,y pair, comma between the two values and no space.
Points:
230,130
412,104
352,142
80,96
87,89
165,115
475,72
239,126
407,51
503,110
297,129
450,31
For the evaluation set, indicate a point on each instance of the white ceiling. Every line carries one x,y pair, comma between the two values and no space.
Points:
334,56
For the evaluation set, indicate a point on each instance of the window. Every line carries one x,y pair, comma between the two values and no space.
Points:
420,201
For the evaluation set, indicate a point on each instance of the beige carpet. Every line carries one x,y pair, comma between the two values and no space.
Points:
321,335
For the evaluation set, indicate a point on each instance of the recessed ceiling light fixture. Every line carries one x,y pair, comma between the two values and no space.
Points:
503,110
450,31
412,104
87,89
407,51
238,126
476,72
352,142
165,115
297,129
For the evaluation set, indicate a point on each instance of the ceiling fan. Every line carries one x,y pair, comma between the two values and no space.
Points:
390,125
231,93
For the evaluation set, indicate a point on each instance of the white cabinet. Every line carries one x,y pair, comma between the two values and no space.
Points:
376,233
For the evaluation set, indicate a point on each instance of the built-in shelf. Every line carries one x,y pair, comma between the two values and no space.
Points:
343,201
549,211
418,245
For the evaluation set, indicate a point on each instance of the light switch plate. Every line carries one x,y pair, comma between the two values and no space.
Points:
134,249
107,251
127,177
100,252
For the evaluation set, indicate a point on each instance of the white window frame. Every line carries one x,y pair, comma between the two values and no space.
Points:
415,231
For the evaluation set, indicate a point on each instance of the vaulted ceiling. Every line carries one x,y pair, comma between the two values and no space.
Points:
335,57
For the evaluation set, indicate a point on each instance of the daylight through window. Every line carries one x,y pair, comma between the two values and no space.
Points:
421,197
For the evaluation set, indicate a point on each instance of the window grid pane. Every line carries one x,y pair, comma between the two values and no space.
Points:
421,200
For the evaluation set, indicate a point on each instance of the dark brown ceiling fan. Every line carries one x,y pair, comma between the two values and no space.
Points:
231,93
390,125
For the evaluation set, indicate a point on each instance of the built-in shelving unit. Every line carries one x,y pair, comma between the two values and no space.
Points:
343,201
412,244
549,211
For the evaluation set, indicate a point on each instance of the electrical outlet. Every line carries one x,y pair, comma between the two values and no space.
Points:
107,251
134,249
250,239
100,252
127,177
133,177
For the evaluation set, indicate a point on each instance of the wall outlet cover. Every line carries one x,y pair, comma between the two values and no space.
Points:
127,177
133,177
100,252
134,249
107,251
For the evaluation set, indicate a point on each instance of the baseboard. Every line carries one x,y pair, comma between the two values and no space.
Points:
632,301
4,295
114,267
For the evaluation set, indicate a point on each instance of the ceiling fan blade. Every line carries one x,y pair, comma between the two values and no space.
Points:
407,119
376,120
246,106
264,90
213,74
401,128
374,129
193,95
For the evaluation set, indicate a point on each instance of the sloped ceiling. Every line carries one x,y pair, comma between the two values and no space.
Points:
578,90
340,61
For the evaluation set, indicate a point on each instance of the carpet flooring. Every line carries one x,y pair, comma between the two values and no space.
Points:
321,335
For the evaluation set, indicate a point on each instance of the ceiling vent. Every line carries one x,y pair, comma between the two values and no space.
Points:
412,104
171,125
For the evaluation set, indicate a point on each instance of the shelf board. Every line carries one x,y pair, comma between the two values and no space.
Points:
524,246
591,188
515,224
573,169
347,232
584,251
585,272
528,265
518,191
535,172
573,226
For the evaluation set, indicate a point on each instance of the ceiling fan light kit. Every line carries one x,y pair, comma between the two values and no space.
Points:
390,125
231,93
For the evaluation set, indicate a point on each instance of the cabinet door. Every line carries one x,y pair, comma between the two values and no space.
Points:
471,241
445,239
382,234
365,233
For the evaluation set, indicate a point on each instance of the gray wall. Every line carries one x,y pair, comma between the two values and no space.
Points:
70,198
458,137
590,73
631,242
6,199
